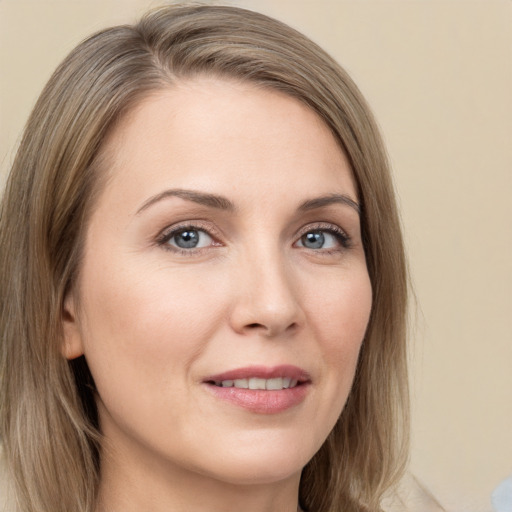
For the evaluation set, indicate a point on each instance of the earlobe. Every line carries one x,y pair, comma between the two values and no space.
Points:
72,346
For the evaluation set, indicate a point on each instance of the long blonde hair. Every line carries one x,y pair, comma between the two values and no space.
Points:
48,422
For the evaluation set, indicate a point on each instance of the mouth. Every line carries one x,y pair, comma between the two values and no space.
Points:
273,384
263,390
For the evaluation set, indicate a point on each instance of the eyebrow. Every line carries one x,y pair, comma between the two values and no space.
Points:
320,202
210,200
222,203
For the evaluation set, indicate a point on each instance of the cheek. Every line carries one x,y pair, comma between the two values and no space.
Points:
340,317
146,325
341,309
143,332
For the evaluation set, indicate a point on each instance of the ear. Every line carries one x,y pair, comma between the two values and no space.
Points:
72,345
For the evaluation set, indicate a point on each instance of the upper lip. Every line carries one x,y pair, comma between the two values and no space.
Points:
262,372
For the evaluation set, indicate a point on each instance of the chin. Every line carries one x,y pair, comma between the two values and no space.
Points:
245,473
259,462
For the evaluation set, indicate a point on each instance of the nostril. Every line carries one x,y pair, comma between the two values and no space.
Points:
270,330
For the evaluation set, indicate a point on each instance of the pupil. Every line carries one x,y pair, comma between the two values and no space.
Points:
313,240
187,239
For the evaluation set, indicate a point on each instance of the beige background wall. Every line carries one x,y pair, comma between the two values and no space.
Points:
439,76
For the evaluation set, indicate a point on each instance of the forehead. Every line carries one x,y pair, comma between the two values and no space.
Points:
222,135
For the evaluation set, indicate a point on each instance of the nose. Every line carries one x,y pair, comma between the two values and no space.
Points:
266,298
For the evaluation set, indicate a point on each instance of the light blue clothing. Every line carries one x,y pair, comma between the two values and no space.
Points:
502,496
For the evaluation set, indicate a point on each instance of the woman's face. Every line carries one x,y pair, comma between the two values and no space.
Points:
223,253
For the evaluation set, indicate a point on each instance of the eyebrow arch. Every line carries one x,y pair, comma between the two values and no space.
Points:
211,200
319,202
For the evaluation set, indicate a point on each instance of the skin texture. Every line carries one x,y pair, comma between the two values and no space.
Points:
154,322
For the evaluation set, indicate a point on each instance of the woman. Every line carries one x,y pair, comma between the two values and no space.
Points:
203,279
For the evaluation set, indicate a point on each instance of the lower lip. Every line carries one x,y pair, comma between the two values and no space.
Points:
261,401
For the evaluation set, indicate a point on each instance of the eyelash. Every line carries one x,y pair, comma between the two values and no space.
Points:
168,233
339,234
165,236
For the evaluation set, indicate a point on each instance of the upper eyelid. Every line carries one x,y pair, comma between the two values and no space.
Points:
181,226
323,226
320,225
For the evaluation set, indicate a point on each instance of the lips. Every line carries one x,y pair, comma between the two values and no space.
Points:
260,389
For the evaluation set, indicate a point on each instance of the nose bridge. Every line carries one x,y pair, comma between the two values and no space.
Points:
267,300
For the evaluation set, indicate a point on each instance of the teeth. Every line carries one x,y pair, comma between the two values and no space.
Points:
275,383
255,383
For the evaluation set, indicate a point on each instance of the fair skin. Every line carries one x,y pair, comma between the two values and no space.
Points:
226,239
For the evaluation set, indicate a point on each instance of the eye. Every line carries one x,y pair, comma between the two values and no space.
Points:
317,240
185,238
331,238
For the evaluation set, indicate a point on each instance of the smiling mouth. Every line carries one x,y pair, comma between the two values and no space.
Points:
257,378
273,384
261,389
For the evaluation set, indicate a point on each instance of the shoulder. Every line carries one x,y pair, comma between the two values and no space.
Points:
411,496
